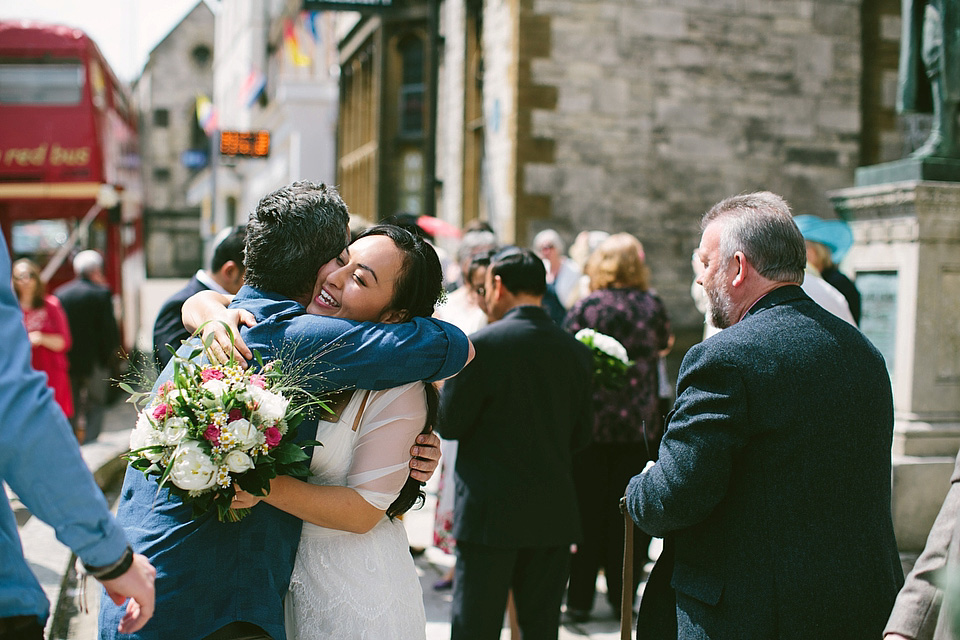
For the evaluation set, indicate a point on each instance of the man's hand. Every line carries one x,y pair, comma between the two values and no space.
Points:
136,584
426,457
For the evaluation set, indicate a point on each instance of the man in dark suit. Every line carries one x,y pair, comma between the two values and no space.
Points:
772,487
515,512
225,276
88,304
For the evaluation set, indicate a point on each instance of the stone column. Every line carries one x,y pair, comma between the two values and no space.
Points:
906,261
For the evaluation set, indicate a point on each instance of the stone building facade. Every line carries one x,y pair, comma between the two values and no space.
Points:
174,147
636,115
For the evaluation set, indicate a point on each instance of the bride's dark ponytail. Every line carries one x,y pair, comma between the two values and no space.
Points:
412,494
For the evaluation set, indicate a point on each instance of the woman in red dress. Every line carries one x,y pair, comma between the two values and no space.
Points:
47,327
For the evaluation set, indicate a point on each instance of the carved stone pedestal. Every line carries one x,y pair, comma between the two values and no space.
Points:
906,261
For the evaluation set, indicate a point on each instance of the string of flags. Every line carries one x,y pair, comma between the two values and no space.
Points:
206,114
300,39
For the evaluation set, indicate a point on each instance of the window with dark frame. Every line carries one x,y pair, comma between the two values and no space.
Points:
161,117
412,88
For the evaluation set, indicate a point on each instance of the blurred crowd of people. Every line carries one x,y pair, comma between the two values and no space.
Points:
604,283
537,453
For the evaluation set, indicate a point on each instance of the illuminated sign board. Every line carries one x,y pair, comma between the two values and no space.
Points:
251,144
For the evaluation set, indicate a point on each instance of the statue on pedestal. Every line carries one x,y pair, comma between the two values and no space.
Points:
930,56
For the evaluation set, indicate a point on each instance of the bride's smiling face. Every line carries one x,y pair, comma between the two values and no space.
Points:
359,283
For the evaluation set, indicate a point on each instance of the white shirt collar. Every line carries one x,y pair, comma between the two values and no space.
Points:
209,282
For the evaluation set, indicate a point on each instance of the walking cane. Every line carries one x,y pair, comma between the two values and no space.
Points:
626,593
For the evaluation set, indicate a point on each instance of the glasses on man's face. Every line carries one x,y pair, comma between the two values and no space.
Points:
480,291
20,277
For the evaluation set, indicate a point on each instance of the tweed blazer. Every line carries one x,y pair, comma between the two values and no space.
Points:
773,480
920,611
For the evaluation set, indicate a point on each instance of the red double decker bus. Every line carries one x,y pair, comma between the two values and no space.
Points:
69,164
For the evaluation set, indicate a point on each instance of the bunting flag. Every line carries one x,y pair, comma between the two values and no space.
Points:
252,87
206,114
297,56
309,19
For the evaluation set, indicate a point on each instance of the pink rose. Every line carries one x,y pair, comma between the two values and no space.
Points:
212,434
160,412
234,414
273,436
211,374
259,380
167,387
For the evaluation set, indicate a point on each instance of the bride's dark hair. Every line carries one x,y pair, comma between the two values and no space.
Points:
419,287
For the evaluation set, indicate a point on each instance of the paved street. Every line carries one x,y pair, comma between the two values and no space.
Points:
50,560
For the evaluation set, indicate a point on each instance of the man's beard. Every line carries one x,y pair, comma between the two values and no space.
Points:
719,304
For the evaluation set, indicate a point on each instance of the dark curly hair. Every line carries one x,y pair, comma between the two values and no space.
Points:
294,231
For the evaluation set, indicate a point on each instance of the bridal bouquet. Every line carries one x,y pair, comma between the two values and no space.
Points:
211,428
610,360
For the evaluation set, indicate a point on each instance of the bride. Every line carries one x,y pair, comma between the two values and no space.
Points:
354,576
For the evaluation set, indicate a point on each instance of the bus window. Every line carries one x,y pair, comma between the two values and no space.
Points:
41,83
39,238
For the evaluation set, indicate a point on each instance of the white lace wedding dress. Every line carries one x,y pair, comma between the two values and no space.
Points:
348,585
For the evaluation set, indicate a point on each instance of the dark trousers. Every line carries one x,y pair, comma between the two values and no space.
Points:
239,631
657,618
484,575
601,473
90,402
21,628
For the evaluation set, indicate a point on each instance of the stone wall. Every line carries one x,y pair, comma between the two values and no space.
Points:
642,114
173,77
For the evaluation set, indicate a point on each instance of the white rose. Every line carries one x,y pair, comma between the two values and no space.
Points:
245,434
584,333
611,347
177,394
191,468
216,387
146,435
237,461
174,431
271,407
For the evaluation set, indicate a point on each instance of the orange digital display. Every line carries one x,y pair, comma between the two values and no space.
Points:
253,144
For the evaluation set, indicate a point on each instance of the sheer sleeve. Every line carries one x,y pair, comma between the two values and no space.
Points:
381,454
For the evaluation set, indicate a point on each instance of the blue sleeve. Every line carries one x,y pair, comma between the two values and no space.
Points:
39,456
347,354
